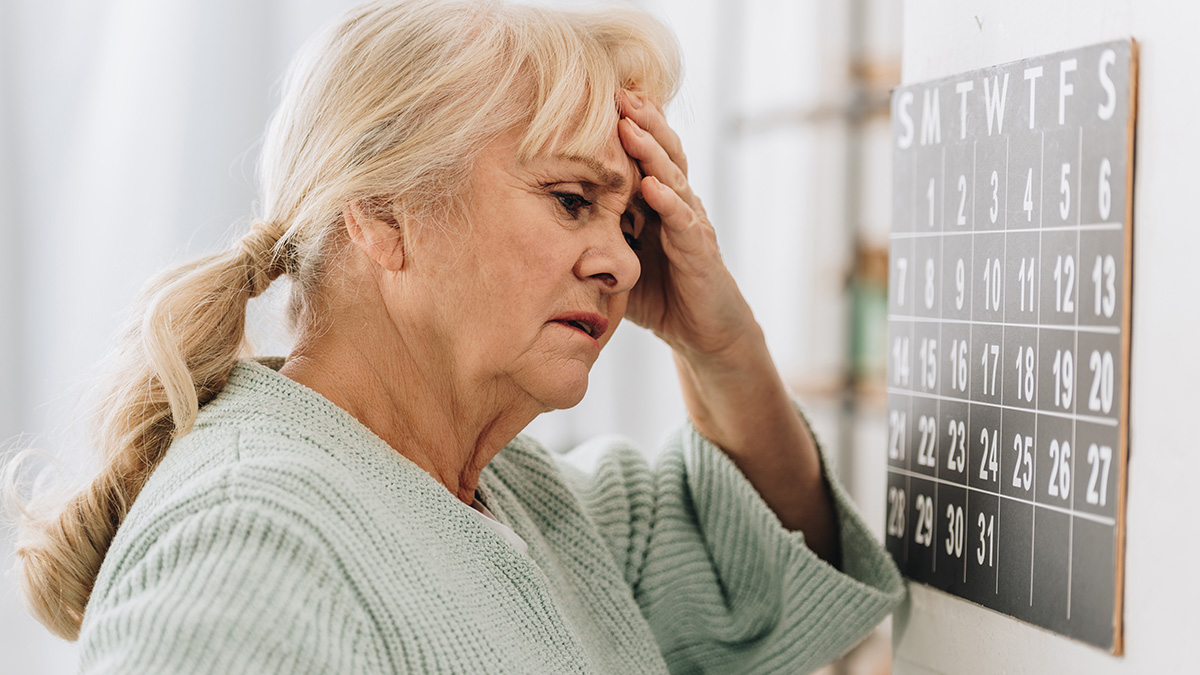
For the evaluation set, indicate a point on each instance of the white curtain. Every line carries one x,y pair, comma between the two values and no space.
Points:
127,130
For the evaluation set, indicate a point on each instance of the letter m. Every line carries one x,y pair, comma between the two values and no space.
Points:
931,119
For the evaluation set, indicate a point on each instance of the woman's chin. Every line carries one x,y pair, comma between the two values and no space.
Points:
566,390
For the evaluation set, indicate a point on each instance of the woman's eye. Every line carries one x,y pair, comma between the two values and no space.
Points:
572,202
628,227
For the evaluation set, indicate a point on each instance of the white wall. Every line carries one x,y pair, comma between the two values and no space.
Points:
936,632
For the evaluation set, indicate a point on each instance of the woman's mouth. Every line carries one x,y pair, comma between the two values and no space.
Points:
591,325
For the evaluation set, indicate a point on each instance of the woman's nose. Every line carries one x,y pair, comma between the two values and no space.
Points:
610,261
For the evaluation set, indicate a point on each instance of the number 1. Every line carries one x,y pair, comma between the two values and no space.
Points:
929,194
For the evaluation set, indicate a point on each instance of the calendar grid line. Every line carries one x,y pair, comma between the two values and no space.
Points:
1042,176
1075,403
1068,511
1100,330
1032,550
970,337
1078,176
1082,227
936,510
1036,392
1075,445
966,510
908,455
907,491
1071,531
1078,417
1003,329
941,310
999,527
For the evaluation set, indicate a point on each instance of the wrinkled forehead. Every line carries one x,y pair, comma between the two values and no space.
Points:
605,166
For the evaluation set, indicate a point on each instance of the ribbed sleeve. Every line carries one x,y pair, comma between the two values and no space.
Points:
232,588
724,587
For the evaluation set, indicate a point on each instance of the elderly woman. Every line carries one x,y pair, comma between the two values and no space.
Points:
468,198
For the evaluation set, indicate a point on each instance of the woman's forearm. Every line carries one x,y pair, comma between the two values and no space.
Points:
688,297
738,401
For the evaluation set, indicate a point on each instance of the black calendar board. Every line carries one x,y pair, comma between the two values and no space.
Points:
1008,363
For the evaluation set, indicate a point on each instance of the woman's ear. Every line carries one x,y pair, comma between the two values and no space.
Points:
374,229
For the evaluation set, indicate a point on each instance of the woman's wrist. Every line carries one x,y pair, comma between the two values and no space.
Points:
735,394
741,404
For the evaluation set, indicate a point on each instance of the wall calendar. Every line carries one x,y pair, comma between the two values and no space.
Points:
1009,327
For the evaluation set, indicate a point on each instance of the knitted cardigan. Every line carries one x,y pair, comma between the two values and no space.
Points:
281,536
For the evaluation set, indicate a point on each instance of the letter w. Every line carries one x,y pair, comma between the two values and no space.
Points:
994,97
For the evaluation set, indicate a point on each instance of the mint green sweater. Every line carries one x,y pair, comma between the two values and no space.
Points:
281,536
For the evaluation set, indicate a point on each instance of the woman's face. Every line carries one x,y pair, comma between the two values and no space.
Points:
526,295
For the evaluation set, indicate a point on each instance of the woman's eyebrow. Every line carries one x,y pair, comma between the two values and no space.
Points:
606,177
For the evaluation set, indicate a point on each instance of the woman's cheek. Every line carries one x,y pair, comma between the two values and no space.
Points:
616,312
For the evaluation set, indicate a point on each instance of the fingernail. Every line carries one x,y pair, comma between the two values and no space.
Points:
634,100
636,129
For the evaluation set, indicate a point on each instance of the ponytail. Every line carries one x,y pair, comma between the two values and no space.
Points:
174,356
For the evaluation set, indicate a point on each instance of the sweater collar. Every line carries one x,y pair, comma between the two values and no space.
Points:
259,395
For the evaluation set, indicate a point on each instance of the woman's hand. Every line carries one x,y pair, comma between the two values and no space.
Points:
685,295
733,392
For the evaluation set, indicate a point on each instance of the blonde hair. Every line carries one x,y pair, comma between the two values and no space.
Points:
390,104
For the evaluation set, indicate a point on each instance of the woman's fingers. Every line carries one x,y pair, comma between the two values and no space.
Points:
647,115
655,160
686,294
688,238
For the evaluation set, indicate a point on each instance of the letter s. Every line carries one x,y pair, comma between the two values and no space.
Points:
906,121
1105,110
